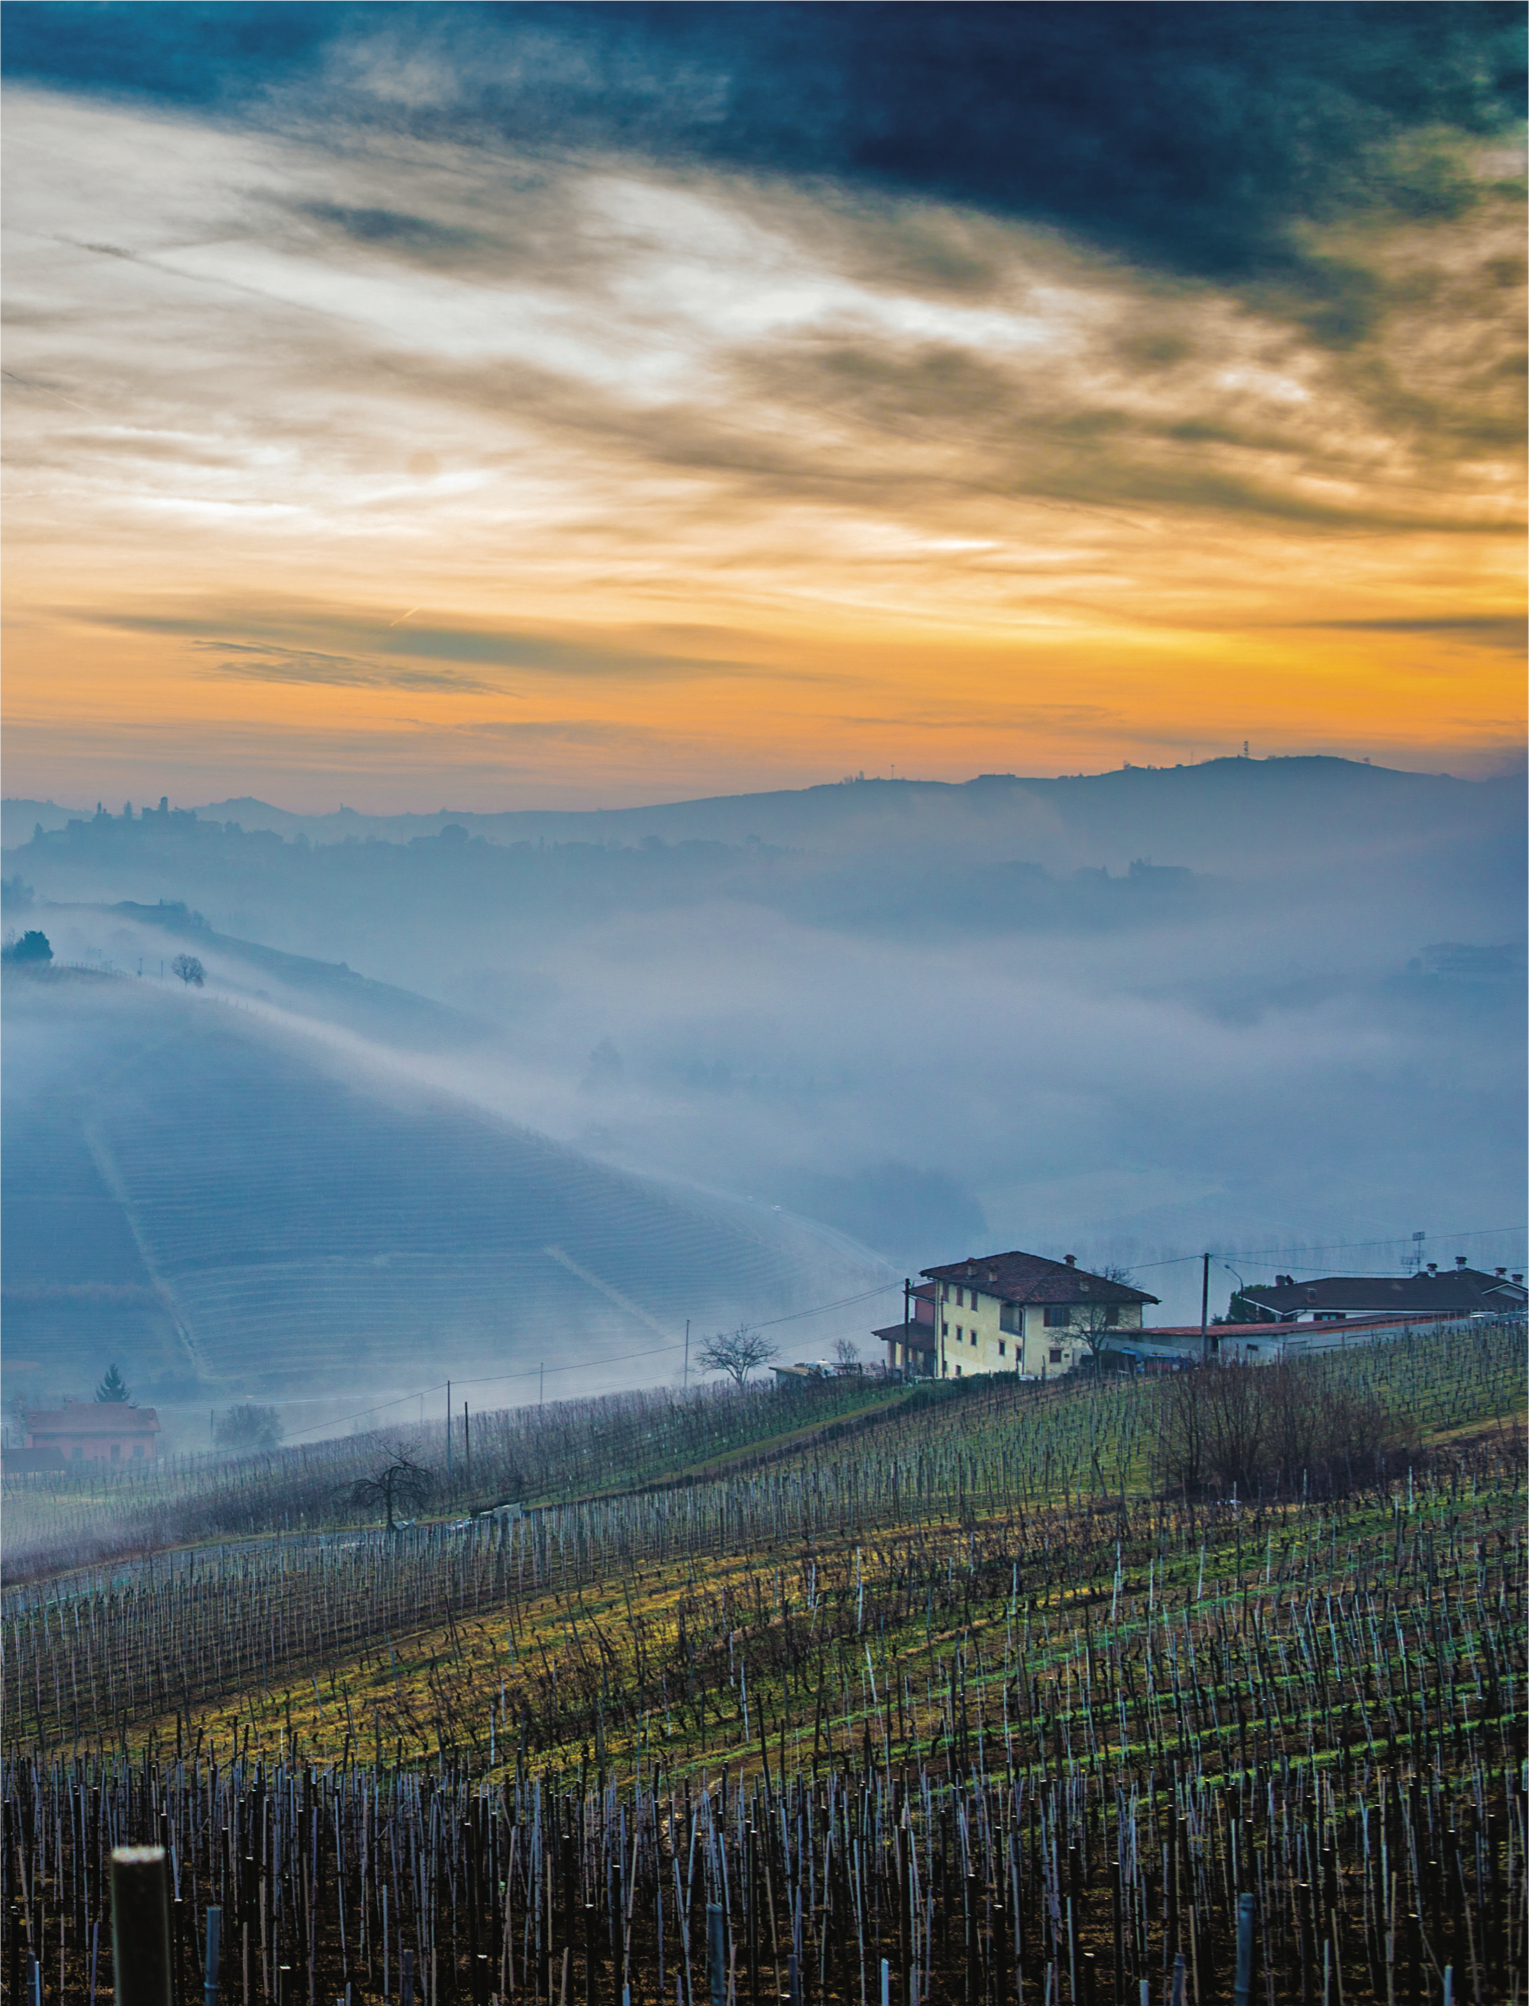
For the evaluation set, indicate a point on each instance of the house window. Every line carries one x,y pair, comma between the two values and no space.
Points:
1003,1349
959,1333
958,1372
116,1452
138,1448
944,1330
1056,1354
1011,1318
77,1453
1057,1314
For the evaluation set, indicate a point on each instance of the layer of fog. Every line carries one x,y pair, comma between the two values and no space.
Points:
1250,1061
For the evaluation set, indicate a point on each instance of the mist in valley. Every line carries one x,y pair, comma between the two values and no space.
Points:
480,1095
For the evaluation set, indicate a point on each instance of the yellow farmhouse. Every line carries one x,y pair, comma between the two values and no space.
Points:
1010,1312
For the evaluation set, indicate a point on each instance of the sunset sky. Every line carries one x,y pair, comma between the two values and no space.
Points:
528,405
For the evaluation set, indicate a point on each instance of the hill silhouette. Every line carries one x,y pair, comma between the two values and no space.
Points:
1179,812
224,1206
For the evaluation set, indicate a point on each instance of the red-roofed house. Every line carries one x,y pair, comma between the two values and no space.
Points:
96,1431
1011,1312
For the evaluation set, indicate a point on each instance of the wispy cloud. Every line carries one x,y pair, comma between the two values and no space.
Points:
1483,630
439,318
305,665
283,629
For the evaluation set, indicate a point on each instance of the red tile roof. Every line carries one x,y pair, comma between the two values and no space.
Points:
1031,1278
1457,1290
1276,1330
93,1417
917,1336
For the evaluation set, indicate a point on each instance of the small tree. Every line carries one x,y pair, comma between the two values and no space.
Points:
113,1387
736,1353
1095,1321
847,1353
189,969
401,1481
32,946
247,1426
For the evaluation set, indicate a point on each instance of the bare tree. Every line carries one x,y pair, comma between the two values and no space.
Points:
735,1352
189,969
847,1355
1095,1321
401,1481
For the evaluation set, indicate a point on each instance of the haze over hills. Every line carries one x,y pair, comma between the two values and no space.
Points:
228,1202
1199,813
1127,1016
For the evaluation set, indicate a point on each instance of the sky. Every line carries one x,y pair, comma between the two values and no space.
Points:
501,406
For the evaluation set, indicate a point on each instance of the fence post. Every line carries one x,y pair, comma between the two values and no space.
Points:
210,1963
716,1956
1244,1990
140,1926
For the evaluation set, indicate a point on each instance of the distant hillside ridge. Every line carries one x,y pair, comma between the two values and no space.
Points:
1104,807
1085,818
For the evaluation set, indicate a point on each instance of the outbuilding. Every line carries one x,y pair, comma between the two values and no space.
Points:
96,1431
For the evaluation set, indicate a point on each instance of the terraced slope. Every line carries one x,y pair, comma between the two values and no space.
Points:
282,1223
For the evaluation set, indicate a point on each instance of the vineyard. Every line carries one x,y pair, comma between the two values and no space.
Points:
534,1455
946,1702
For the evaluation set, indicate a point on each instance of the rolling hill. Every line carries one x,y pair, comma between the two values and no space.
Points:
227,1204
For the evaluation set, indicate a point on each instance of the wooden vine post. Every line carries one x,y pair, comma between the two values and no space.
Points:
140,1926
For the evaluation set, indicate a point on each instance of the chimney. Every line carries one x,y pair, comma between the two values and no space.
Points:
1072,1260
1459,1260
1517,1277
1502,1271
1433,1267
971,1269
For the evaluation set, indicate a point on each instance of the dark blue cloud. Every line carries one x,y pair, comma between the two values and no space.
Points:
1192,136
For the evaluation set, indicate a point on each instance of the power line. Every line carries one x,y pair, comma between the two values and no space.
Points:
584,1364
822,1309
885,1288
1328,1247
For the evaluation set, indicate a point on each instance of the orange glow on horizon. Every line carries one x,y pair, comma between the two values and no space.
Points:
714,509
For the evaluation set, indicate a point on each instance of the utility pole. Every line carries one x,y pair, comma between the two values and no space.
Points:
686,1383
907,1334
541,1383
467,1444
448,1427
1205,1311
